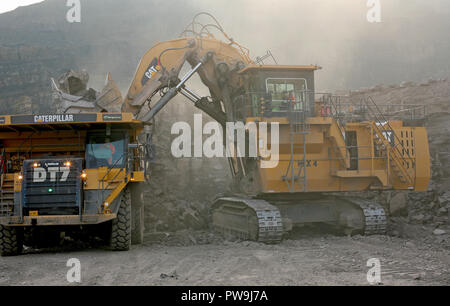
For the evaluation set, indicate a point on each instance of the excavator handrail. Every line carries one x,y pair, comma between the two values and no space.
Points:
390,129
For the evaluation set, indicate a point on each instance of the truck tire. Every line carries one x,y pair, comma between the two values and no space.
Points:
10,241
121,226
137,221
137,213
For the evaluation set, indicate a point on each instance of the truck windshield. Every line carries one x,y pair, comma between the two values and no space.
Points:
105,151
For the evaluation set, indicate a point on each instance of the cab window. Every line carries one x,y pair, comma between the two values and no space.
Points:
105,151
286,91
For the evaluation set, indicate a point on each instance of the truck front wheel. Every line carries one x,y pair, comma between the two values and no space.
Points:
137,233
137,212
121,226
10,241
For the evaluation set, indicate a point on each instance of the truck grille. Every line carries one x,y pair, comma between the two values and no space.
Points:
52,186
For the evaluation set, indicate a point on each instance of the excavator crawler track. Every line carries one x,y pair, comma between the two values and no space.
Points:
247,219
375,220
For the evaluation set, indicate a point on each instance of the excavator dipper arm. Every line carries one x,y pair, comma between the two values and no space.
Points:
174,90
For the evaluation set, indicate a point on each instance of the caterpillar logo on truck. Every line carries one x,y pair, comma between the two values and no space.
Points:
53,118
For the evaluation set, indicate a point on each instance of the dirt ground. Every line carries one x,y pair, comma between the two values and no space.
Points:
308,257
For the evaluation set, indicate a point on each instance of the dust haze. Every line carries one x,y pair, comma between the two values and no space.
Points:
410,44
407,52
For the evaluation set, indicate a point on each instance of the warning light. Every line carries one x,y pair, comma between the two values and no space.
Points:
35,165
20,177
50,190
67,164
83,175
106,204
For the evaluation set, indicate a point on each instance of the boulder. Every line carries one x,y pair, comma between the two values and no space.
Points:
438,232
398,204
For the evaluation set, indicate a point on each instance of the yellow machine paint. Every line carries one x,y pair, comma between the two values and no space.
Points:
380,164
71,171
322,151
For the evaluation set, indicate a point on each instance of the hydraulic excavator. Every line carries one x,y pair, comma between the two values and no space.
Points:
323,152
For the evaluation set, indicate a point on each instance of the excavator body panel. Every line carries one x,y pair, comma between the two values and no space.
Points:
322,152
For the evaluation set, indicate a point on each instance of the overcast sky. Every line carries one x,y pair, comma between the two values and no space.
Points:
9,5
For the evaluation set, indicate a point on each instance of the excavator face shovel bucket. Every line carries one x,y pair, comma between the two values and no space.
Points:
110,98
68,98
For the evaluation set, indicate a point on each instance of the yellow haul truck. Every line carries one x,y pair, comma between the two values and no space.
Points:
70,173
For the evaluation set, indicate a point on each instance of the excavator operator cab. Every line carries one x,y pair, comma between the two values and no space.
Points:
275,91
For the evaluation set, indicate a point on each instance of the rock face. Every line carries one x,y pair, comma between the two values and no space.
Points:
25,72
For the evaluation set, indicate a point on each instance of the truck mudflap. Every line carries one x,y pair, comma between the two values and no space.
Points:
247,219
56,220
